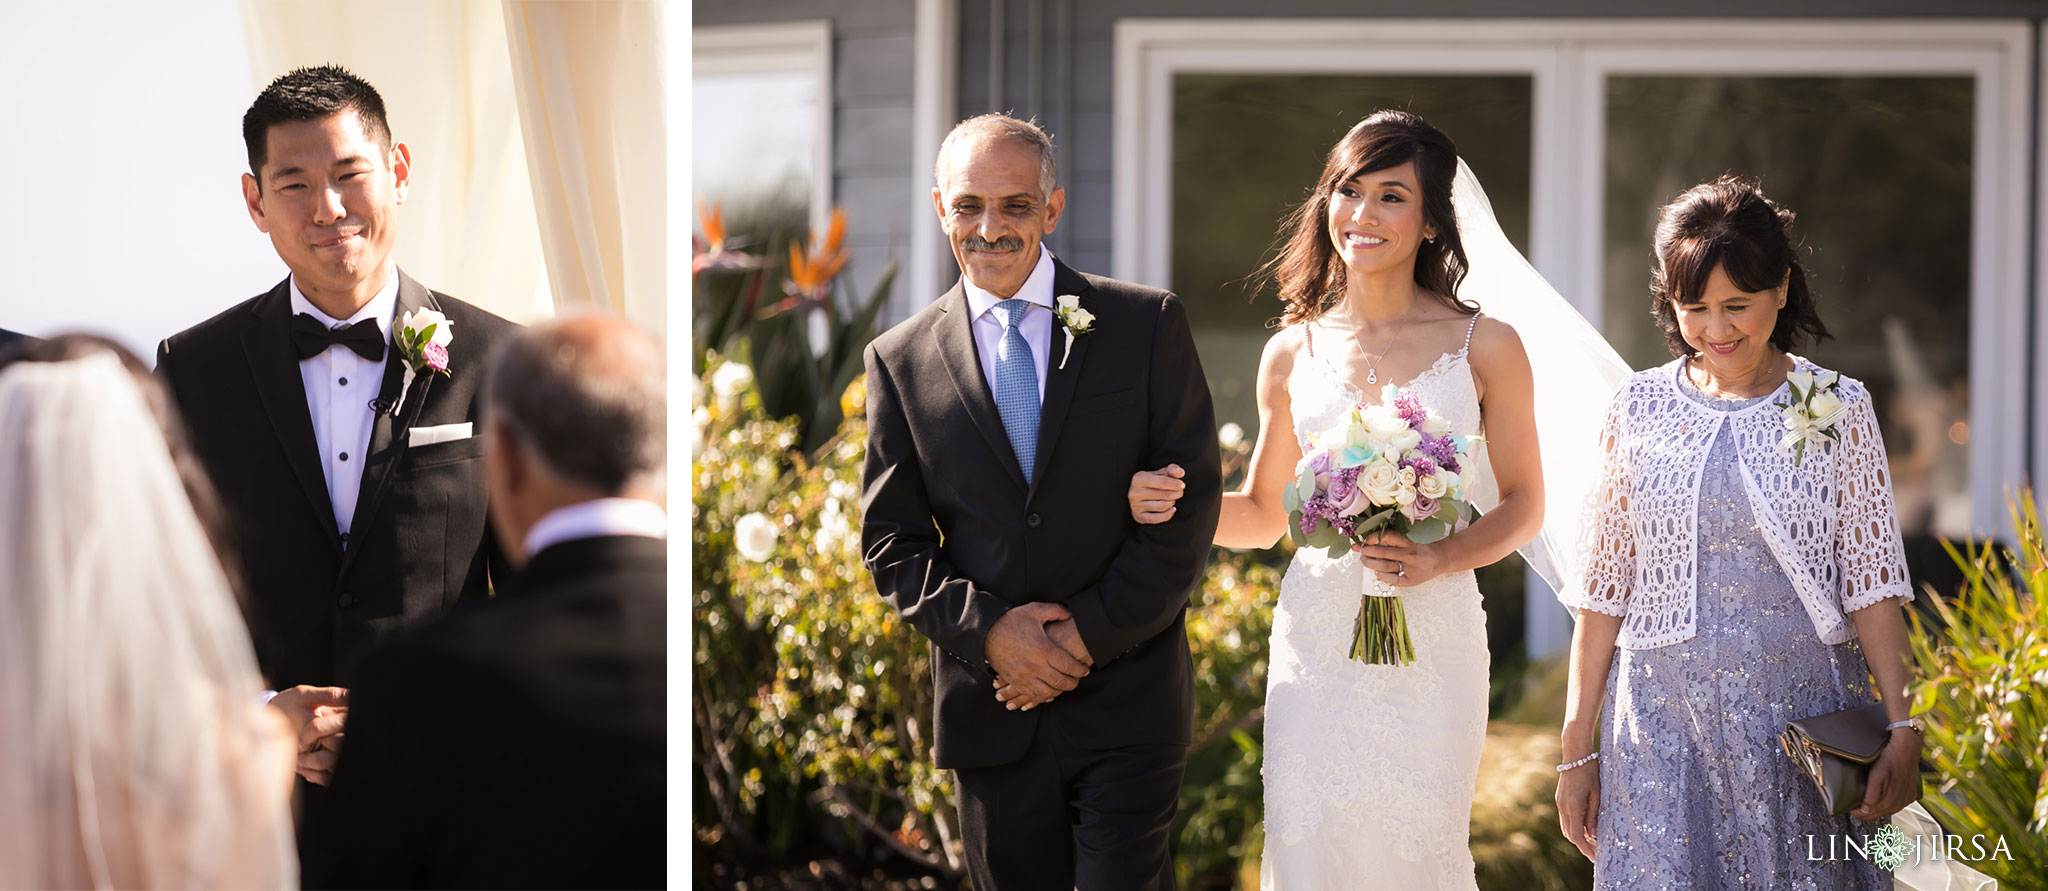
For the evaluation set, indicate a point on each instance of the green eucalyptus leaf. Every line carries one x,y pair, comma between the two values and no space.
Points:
1428,530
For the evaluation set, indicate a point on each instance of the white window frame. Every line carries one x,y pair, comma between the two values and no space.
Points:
803,48
1569,61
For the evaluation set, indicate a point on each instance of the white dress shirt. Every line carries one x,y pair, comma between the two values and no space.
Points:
590,519
1038,320
340,386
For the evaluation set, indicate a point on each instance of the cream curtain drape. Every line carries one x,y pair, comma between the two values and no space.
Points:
468,227
589,81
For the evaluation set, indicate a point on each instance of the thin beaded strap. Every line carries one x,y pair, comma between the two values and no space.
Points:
1468,333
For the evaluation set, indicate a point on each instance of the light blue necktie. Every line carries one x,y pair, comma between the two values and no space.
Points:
1017,384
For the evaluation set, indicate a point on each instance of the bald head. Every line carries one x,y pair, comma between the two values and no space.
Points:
587,398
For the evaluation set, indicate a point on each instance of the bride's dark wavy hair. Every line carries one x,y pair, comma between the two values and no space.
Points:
1306,268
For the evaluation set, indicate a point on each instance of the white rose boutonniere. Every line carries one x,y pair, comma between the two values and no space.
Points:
1076,320
422,344
1815,409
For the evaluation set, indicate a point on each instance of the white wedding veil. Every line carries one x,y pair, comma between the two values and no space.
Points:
1576,374
133,752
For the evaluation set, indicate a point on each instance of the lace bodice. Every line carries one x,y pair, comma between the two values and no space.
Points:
1829,519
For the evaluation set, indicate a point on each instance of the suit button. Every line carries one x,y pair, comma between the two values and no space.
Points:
347,600
1031,521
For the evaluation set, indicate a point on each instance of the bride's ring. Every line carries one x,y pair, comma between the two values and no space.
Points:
1401,569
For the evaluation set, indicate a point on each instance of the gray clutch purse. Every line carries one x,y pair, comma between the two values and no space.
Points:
1836,750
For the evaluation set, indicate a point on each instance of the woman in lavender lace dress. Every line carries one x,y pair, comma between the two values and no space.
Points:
1733,580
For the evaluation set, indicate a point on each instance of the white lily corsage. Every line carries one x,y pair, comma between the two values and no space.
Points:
422,344
1076,320
1815,409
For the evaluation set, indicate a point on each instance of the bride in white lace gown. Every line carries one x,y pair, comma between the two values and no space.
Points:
1370,769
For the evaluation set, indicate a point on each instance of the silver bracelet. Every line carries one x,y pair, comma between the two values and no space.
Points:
1579,763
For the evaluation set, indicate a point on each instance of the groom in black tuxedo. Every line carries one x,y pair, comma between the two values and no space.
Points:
1001,440
353,499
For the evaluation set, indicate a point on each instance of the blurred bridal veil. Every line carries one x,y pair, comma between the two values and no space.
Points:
1576,374
133,750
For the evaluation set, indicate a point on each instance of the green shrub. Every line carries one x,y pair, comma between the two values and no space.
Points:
1983,689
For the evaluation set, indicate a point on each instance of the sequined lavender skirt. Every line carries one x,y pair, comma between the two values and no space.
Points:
1695,791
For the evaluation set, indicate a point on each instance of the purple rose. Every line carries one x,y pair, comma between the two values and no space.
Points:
436,356
1352,503
1422,508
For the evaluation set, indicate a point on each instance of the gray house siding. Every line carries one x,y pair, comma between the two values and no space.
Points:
871,107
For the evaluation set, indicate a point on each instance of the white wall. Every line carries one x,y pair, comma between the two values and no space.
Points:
120,158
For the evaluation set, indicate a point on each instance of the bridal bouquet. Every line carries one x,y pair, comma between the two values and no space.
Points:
1395,466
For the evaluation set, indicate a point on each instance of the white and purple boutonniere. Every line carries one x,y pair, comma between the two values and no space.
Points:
422,343
1815,409
1074,319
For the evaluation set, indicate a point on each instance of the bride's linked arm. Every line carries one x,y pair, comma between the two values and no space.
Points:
1600,603
1252,516
1507,411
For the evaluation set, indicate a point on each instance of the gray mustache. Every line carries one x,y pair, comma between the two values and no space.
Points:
1006,243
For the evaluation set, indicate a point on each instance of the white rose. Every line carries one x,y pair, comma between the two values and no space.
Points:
755,537
1453,483
729,381
1407,439
1826,379
1826,408
1230,435
1383,424
1381,482
418,320
1435,425
1405,495
1432,486
1070,306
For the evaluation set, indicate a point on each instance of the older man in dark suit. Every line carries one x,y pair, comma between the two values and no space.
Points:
519,742
1004,423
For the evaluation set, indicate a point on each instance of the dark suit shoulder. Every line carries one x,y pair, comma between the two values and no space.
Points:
224,329
1128,290
904,334
487,325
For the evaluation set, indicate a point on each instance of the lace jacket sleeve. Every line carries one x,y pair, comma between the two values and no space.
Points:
1607,548
1868,552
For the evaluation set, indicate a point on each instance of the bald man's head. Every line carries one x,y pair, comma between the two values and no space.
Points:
587,396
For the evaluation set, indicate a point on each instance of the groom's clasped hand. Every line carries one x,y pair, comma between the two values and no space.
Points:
317,716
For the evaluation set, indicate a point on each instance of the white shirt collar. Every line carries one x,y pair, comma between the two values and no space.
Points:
590,519
1037,288
380,307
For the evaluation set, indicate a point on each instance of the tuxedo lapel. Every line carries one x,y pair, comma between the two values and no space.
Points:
275,367
1060,377
955,335
387,442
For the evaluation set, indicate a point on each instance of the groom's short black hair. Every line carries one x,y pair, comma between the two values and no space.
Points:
309,94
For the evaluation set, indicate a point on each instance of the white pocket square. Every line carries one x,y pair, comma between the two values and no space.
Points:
421,436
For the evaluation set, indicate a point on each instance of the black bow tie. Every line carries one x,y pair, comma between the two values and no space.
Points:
312,338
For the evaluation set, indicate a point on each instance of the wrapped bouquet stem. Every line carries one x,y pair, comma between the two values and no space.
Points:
1397,466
